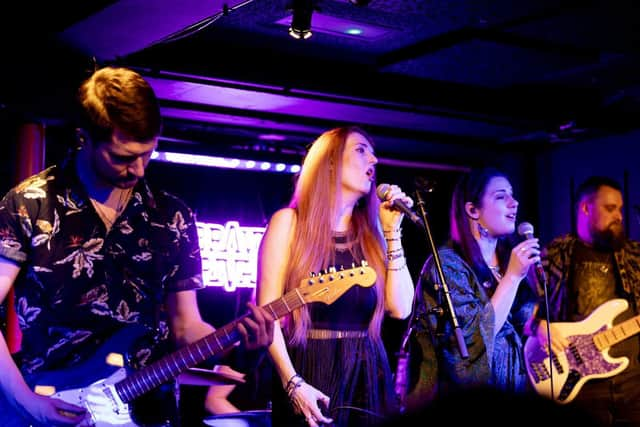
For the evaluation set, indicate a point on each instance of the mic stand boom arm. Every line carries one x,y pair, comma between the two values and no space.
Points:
462,346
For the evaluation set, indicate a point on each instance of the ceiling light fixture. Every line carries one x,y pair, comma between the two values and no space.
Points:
301,19
360,2
224,162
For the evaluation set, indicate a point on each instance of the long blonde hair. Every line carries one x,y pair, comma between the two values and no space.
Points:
315,202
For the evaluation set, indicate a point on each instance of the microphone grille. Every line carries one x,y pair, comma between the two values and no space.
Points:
381,191
525,228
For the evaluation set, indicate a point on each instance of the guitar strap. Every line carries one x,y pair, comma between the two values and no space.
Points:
158,407
569,304
160,290
629,283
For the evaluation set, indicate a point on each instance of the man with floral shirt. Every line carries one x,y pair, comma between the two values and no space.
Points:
91,247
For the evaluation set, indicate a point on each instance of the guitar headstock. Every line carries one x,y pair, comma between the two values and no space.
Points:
328,286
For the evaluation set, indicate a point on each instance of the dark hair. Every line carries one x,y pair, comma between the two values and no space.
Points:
591,185
471,187
116,97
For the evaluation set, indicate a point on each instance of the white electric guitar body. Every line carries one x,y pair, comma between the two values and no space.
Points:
102,401
587,356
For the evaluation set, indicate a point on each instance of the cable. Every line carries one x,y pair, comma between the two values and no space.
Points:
199,26
550,351
355,408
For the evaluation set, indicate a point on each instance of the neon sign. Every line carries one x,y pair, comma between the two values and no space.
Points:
229,254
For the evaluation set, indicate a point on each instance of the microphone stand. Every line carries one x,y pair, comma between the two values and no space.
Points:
547,318
462,346
401,379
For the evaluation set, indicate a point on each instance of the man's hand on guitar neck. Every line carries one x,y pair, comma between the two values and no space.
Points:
558,341
256,328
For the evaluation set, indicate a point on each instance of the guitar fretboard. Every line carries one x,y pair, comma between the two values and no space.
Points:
617,333
170,366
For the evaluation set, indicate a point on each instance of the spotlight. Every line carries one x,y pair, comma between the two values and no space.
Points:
360,2
301,19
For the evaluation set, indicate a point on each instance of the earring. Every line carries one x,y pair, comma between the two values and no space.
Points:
484,232
81,139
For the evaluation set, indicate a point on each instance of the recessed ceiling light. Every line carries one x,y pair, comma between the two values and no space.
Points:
342,27
354,31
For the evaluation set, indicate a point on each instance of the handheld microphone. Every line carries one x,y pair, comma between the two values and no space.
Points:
525,229
381,192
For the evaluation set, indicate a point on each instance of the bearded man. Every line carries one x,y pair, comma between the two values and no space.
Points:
586,270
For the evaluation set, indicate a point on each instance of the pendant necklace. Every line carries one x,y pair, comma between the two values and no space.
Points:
104,211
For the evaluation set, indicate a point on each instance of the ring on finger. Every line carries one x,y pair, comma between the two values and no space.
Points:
523,249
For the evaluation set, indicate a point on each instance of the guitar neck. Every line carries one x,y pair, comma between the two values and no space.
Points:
617,333
172,365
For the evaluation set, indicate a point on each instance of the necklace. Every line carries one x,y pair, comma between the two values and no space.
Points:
495,269
109,214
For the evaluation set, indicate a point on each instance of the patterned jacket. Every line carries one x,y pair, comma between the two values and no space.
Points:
495,359
556,258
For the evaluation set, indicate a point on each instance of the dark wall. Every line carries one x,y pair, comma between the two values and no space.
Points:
8,139
562,168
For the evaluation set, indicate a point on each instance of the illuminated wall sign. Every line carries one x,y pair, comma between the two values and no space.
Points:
229,254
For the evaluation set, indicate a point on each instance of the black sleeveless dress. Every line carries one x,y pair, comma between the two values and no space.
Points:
341,359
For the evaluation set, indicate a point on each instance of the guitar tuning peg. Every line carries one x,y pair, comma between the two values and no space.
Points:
353,265
332,269
341,267
312,274
364,263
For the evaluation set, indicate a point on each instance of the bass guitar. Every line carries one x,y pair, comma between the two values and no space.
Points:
107,390
586,357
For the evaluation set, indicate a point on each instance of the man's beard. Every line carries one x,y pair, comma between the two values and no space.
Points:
611,238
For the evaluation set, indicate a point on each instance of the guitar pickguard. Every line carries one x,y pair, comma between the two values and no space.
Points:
562,375
101,401
585,358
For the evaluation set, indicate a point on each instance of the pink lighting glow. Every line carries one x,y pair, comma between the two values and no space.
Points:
222,162
229,254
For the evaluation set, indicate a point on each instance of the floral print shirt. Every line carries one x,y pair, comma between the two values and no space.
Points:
78,283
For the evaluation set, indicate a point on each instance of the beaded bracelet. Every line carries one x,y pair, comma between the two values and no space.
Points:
401,267
394,230
291,380
397,231
398,254
392,235
293,387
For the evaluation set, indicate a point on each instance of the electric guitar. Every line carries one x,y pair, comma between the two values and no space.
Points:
586,357
107,392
